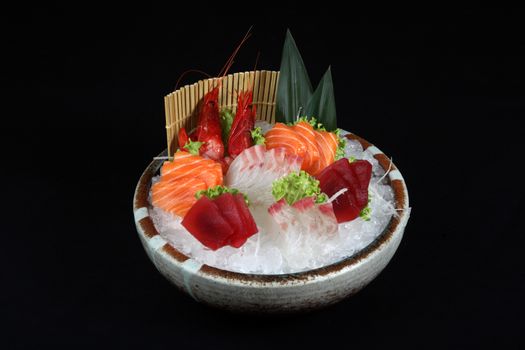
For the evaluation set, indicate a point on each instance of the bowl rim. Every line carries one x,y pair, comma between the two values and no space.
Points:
401,200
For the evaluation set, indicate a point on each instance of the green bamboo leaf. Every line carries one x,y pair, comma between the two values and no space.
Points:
322,103
294,87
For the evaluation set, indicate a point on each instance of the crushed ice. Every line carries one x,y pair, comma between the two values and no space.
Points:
269,252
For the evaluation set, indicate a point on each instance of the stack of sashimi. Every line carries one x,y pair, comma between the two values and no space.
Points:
289,186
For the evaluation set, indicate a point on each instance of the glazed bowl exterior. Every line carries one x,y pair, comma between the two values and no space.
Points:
273,293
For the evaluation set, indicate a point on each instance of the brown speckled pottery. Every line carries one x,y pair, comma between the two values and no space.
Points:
273,293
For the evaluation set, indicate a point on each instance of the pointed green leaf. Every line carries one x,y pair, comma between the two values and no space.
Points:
294,88
322,103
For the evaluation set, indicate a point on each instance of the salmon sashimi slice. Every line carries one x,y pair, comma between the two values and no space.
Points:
177,196
306,134
181,179
180,159
316,148
283,136
209,171
327,145
187,164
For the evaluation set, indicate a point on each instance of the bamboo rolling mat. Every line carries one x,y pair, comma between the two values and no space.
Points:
181,105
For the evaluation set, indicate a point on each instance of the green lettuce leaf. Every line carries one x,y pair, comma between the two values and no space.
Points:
341,143
310,120
366,213
296,186
226,116
257,136
193,147
216,191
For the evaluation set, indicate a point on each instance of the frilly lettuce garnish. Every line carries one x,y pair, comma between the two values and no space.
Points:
257,136
193,147
216,191
310,120
366,213
296,186
341,143
226,116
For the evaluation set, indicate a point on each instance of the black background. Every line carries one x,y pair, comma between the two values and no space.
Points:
439,90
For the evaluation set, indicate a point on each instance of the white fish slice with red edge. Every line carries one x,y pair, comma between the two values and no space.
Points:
304,217
255,169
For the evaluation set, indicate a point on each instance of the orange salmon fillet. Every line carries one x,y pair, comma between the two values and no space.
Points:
327,144
306,134
316,148
186,164
181,178
177,196
283,136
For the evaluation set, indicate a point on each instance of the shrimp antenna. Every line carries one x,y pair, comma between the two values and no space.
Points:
256,60
187,72
229,62
254,69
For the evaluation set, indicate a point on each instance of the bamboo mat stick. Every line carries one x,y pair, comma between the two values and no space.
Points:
271,94
256,89
241,83
168,120
229,83
265,95
180,105
260,99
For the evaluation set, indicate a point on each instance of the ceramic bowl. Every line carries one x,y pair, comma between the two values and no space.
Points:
282,293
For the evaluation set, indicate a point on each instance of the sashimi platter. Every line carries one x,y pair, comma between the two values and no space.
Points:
260,202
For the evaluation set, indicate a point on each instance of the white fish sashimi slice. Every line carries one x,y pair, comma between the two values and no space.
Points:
241,169
255,169
284,215
278,156
304,217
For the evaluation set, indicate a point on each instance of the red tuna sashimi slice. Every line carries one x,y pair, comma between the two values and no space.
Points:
245,215
355,177
236,213
358,175
256,168
345,205
228,209
205,222
304,216
221,221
